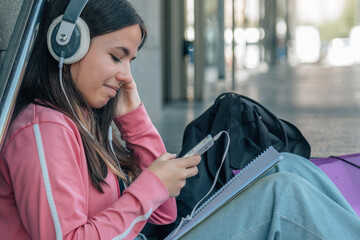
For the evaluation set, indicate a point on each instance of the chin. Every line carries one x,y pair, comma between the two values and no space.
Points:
99,104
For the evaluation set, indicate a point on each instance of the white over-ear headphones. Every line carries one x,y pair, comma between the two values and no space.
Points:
68,35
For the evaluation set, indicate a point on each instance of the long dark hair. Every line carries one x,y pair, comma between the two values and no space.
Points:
41,86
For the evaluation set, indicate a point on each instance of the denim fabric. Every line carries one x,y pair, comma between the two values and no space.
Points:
294,200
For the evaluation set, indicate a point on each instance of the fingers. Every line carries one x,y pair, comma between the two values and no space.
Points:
189,165
192,171
191,161
182,183
167,156
173,171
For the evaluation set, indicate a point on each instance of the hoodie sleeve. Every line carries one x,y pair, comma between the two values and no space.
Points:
144,140
45,171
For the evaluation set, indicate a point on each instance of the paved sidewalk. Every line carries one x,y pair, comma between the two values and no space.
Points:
324,103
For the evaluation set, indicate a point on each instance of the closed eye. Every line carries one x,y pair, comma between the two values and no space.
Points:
115,59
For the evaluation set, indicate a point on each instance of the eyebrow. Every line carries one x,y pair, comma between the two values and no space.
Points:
126,51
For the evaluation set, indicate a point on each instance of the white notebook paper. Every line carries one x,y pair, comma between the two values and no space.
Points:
233,187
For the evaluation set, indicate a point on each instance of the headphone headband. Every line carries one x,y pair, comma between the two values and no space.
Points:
73,10
72,13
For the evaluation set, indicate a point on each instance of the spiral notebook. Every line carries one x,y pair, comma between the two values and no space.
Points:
233,187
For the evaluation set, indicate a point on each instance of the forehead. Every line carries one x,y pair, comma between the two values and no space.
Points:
129,37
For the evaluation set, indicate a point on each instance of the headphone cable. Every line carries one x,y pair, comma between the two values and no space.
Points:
61,64
191,215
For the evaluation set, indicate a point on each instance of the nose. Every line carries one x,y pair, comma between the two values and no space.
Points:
123,74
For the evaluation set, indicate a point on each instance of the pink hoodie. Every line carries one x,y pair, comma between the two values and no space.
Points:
46,192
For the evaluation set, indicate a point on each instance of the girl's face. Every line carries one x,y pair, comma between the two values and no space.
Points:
99,75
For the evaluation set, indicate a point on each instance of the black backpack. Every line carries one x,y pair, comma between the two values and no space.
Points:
252,129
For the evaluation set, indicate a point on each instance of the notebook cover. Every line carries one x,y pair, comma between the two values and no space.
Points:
233,187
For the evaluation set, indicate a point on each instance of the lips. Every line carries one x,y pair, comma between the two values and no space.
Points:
112,89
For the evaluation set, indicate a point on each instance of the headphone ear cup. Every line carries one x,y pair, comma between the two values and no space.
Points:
79,43
84,42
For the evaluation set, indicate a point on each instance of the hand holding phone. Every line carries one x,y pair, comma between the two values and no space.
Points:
201,147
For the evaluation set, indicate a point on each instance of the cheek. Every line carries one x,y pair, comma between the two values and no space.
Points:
98,68
85,74
74,71
81,78
92,72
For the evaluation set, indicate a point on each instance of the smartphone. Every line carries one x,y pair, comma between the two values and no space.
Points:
201,147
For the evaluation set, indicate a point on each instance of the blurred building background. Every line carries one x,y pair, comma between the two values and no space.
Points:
299,58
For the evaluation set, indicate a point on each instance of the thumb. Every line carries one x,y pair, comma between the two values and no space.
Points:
167,156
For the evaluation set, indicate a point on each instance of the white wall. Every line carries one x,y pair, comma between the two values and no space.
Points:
146,68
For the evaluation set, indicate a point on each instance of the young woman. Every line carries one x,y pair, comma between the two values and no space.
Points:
59,169
58,174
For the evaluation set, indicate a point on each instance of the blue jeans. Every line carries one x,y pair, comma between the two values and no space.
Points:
294,200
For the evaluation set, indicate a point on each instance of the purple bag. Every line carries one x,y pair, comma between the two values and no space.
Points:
344,171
